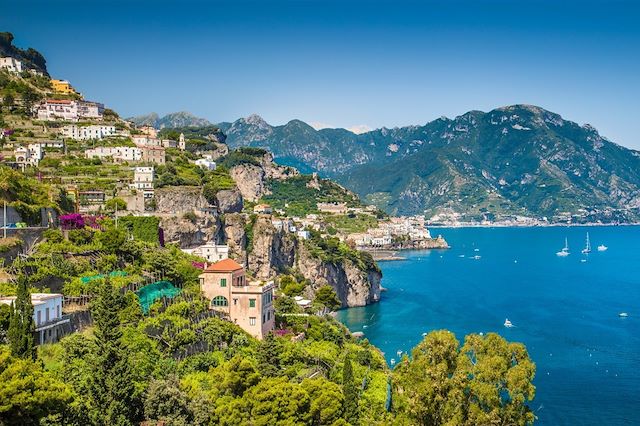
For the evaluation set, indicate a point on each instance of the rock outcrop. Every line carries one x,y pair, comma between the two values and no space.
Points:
229,201
191,231
251,181
180,199
266,251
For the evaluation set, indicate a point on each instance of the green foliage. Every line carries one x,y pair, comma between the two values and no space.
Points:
144,228
297,198
350,392
214,181
332,250
21,324
239,157
115,204
488,380
327,401
111,386
326,297
165,402
28,394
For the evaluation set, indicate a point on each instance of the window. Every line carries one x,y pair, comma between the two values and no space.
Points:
252,320
252,303
268,315
235,302
219,301
223,282
39,319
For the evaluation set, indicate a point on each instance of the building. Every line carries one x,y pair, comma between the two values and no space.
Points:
153,154
117,153
63,87
149,131
206,163
67,110
211,252
303,234
10,64
249,305
47,315
57,109
30,155
143,180
335,208
88,132
262,209
182,144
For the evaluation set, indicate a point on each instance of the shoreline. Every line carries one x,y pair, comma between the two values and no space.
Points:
512,225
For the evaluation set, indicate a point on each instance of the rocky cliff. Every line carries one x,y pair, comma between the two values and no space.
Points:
266,251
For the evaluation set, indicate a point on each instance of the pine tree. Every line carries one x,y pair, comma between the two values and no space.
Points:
350,392
21,325
269,356
112,387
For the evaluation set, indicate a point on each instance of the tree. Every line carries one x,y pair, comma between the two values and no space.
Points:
112,388
166,402
111,239
276,401
111,204
21,324
269,356
28,393
327,298
9,100
327,401
350,392
487,381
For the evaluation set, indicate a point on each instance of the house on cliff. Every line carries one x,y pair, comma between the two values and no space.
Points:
248,304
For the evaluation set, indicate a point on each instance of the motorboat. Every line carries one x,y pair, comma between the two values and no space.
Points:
623,314
602,247
508,323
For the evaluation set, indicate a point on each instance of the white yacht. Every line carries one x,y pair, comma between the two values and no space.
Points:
508,323
565,250
602,247
623,314
587,247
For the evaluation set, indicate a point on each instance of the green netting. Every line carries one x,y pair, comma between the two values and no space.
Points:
152,292
112,274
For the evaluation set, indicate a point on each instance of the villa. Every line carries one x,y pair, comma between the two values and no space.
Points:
63,87
47,315
211,252
10,64
247,304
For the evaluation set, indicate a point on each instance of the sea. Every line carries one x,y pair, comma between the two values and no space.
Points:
566,310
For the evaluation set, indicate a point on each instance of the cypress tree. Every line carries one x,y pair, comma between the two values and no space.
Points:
350,392
112,386
269,356
21,325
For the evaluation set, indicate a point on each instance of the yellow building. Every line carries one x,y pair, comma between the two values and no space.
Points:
63,87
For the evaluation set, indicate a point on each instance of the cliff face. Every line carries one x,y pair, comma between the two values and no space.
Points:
190,232
180,199
267,251
250,180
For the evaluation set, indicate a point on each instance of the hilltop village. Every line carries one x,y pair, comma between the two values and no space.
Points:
129,252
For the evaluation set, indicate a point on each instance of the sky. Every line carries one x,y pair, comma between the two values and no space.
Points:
353,64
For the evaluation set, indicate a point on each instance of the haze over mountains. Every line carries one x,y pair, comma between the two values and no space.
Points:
516,160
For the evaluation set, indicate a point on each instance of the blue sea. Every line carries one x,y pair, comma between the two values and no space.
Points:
565,310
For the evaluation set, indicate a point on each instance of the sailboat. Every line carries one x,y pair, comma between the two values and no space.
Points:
587,247
565,250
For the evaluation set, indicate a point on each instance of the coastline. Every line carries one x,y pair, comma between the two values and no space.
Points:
515,225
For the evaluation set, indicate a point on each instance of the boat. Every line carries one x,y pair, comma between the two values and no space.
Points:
565,250
393,361
508,323
623,314
477,257
602,247
587,247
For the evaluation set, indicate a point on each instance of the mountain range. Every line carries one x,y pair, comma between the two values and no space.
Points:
519,160
175,119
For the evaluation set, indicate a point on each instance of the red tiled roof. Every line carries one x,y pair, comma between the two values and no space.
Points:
226,265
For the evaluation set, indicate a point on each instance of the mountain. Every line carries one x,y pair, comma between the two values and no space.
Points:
176,119
30,57
519,160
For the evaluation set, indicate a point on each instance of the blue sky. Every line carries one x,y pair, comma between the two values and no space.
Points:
344,63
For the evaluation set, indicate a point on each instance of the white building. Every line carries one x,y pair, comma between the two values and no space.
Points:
182,144
210,251
11,64
206,163
304,235
47,315
88,132
143,180
63,109
29,156
118,153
